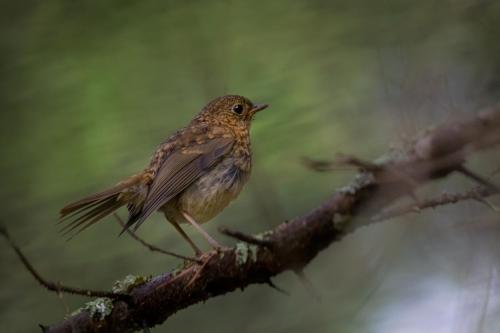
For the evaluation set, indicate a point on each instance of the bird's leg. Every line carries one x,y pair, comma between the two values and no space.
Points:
198,227
177,227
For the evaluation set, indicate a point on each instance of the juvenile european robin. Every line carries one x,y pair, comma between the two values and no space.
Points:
192,176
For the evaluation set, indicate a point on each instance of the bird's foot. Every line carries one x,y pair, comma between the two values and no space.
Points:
203,257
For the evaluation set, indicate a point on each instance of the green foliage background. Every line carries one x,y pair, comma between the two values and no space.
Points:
90,88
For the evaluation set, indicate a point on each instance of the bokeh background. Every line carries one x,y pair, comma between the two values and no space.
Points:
90,88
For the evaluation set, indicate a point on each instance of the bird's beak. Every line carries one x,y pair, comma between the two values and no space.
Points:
258,107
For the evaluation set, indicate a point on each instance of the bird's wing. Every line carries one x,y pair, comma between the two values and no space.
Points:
179,170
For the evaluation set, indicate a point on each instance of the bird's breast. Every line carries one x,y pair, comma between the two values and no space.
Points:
212,192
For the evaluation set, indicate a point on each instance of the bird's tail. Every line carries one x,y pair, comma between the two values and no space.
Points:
83,213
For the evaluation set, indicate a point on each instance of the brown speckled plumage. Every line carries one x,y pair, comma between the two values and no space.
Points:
197,171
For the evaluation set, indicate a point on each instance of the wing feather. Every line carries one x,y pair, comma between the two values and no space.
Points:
178,171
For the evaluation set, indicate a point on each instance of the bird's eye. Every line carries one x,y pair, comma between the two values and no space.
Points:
238,108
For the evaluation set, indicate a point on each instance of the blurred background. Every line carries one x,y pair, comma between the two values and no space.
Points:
90,88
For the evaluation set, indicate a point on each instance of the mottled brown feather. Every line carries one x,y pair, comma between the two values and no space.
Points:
180,169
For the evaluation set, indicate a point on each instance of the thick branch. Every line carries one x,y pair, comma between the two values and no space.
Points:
298,241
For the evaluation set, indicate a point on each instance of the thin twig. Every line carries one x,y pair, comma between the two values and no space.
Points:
479,179
324,165
341,162
477,193
53,286
345,159
245,237
271,284
489,204
304,280
151,247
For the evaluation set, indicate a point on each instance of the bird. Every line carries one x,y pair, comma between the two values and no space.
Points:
192,176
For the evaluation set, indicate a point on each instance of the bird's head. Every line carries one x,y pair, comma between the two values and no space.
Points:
231,109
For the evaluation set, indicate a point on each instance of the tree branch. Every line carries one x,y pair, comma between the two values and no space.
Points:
295,243
54,286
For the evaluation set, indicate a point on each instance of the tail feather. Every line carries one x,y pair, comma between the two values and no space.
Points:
87,211
86,214
93,199
91,217
71,215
